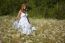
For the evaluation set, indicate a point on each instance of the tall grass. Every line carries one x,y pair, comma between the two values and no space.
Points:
48,31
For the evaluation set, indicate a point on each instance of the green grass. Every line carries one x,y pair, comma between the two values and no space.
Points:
48,31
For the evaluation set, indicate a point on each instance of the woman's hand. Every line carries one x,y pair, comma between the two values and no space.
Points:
17,18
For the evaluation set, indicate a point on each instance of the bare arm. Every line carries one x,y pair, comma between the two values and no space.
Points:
18,16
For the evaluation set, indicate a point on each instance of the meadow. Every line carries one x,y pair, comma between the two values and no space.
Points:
48,31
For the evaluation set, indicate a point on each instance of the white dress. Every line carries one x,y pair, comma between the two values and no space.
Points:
24,24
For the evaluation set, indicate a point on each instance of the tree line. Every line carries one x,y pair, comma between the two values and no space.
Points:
38,8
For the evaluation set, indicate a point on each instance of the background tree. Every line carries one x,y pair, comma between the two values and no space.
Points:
38,8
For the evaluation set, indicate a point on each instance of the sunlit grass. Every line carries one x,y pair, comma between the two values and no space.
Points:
48,31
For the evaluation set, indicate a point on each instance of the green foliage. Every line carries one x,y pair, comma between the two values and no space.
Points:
42,8
8,6
38,8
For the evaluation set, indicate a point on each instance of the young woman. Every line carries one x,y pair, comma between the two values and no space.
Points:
22,21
